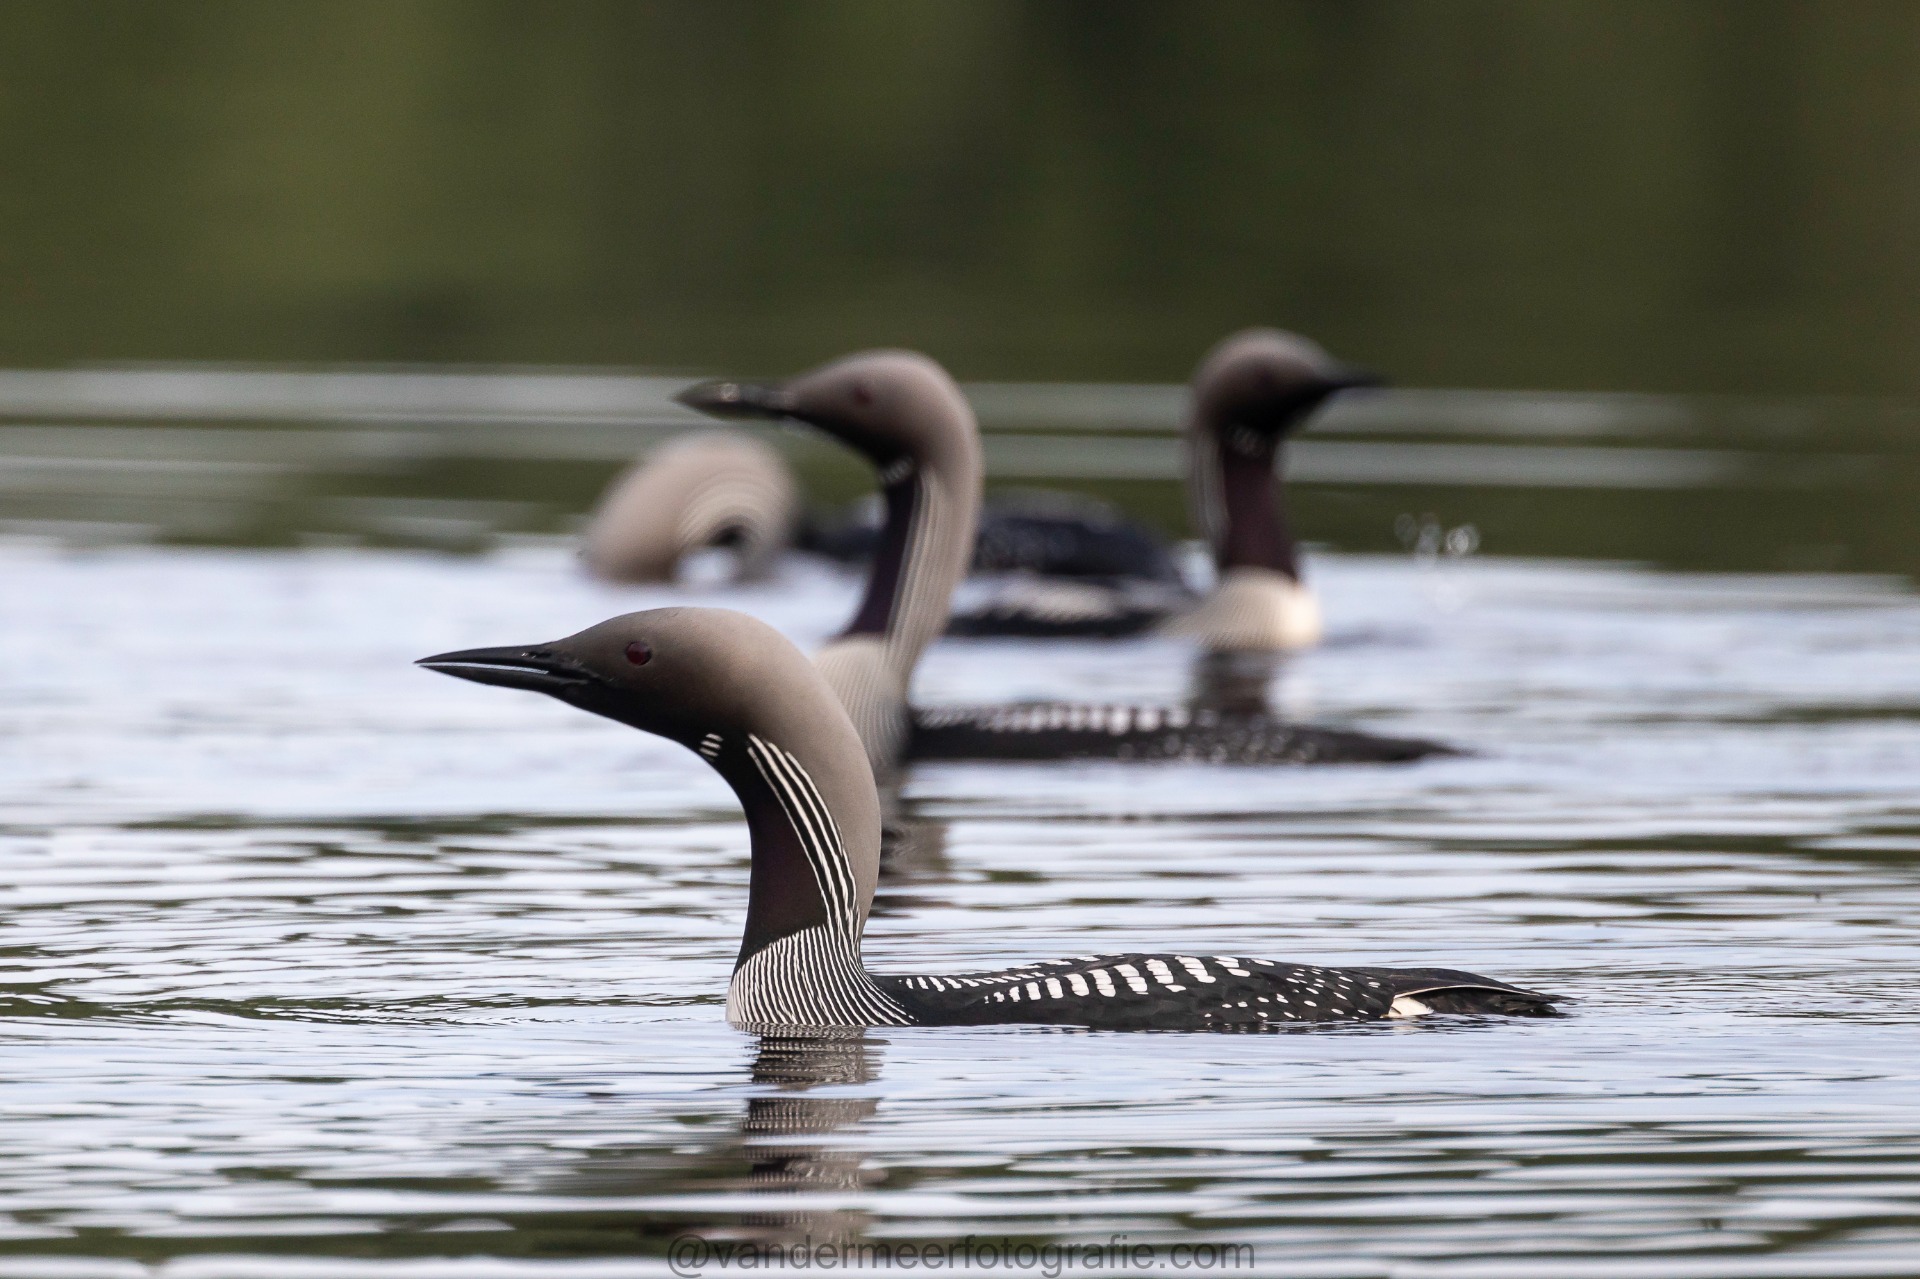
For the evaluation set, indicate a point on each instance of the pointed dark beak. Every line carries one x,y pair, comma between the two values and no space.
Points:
739,399
537,668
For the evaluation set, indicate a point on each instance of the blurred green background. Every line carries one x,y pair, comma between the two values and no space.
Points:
1713,201
1646,194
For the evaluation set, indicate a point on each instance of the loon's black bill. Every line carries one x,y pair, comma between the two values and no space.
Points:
738,399
537,669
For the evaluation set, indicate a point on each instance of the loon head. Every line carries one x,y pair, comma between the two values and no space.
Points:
893,407
737,692
1267,381
1248,393
680,673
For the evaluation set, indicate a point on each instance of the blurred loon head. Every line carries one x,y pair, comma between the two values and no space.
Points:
1267,381
895,408
704,490
1251,391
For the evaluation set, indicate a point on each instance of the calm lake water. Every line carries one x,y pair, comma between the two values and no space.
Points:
317,964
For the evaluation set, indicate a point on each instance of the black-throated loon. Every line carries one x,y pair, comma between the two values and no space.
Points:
727,490
738,694
904,413
1251,391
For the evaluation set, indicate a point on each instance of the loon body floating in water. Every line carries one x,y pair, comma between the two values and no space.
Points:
1069,566
905,414
1072,730
738,694
699,491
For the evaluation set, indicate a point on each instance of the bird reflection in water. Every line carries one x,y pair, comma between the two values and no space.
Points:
794,1139
1225,718
1233,682
911,846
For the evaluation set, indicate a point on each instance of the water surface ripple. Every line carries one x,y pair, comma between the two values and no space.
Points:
317,964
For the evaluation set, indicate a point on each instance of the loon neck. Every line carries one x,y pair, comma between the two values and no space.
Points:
815,836
1234,482
813,818
932,499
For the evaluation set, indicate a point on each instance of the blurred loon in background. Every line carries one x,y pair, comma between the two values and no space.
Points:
704,490
1078,567
728,491
739,695
1071,566
903,413
1249,393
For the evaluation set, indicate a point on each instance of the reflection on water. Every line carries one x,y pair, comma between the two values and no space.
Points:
795,1137
307,955
911,846
1234,682
777,1156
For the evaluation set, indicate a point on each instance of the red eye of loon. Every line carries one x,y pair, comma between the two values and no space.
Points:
861,394
639,654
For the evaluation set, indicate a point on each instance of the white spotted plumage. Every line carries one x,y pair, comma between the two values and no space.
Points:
1222,992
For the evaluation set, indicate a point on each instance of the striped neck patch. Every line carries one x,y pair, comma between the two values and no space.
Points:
813,977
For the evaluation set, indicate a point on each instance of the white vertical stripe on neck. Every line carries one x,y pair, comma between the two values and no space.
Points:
907,618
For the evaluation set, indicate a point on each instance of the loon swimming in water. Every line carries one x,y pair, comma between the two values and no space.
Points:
1250,392
726,490
738,694
904,413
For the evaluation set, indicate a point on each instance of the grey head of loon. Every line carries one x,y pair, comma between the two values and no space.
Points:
739,694
896,408
905,415
1250,391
